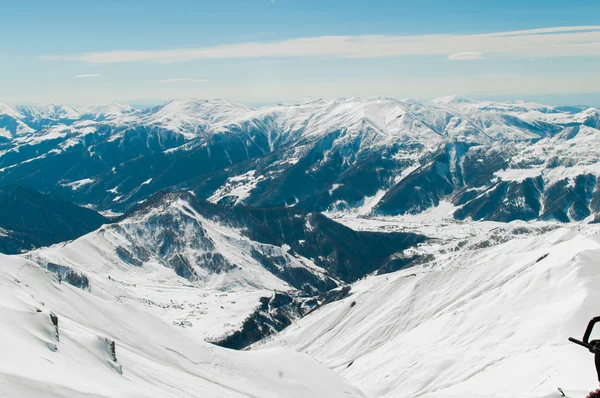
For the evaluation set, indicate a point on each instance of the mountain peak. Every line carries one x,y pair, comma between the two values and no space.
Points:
50,111
109,111
10,111
450,99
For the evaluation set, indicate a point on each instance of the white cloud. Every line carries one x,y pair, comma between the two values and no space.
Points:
182,79
548,42
87,76
466,56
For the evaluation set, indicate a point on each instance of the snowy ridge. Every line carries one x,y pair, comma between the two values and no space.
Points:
108,111
52,112
321,155
10,111
388,117
192,117
107,259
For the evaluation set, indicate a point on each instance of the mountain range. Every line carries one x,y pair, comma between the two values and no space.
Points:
415,248
493,161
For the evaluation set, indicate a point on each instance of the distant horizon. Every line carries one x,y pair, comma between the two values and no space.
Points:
554,100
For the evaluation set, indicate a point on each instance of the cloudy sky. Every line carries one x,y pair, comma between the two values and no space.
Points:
262,51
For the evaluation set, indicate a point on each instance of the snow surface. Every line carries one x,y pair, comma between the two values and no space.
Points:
108,111
153,358
192,117
52,111
5,133
238,187
10,111
75,185
518,174
480,321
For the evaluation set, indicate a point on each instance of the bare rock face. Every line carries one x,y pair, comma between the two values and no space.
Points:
110,349
54,321
275,314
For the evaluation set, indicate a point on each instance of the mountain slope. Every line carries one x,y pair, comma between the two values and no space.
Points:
486,320
30,219
346,254
54,334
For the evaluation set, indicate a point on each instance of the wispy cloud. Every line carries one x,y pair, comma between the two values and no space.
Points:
465,56
547,42
87,76
182,79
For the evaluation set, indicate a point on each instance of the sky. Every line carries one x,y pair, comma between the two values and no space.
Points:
264,51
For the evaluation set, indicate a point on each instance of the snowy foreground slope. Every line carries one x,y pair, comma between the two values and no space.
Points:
475,322
153,358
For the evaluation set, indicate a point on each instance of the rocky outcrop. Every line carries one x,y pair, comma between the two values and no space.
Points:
275,314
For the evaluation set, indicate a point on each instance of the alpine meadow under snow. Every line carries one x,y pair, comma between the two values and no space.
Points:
361,247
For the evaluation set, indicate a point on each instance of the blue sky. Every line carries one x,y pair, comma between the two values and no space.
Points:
262,51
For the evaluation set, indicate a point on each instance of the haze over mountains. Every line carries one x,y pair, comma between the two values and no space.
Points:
345,229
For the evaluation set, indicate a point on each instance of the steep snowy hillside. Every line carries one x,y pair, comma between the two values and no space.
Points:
488,316
60,341
494,161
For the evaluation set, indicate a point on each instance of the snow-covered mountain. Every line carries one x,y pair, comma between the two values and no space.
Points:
415,248
494,161
232,256
488,315
10,111
11,124
43,115
110,111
